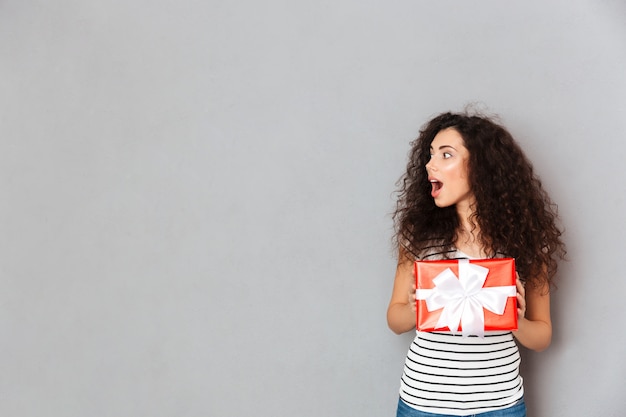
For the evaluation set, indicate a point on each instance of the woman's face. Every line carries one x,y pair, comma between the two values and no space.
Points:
448,170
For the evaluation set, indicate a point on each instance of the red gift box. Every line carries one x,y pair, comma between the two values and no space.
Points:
470,296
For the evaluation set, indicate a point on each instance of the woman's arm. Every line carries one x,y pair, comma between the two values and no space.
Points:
401,310
534,323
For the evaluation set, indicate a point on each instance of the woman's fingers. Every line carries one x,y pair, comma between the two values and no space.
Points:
521,299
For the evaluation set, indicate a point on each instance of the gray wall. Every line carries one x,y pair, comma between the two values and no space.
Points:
196,195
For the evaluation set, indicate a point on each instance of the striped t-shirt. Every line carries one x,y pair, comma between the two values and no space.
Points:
450,374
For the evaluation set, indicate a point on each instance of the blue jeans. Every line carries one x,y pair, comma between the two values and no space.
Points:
517,410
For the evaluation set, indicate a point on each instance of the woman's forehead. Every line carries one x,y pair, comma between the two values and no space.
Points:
449,137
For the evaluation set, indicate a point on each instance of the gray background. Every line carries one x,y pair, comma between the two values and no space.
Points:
195,196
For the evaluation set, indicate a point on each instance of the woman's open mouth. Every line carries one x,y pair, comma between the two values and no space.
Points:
437,185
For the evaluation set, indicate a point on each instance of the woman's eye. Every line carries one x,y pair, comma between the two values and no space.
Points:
447,155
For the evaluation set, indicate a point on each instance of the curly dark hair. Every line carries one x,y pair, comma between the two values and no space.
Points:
513,213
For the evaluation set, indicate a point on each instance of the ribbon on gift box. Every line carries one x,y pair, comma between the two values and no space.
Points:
463,299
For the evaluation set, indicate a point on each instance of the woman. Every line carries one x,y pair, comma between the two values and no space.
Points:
469,192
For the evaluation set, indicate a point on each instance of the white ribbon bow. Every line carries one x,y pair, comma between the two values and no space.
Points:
463,299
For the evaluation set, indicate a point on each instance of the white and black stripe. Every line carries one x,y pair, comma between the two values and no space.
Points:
449,374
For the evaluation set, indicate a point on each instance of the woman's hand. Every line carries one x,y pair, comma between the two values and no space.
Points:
412,300
521,298
534,326
401,310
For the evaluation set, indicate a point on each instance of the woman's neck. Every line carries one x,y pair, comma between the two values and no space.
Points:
468,239
469,243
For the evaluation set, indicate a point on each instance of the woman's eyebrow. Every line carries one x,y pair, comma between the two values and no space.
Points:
444,146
